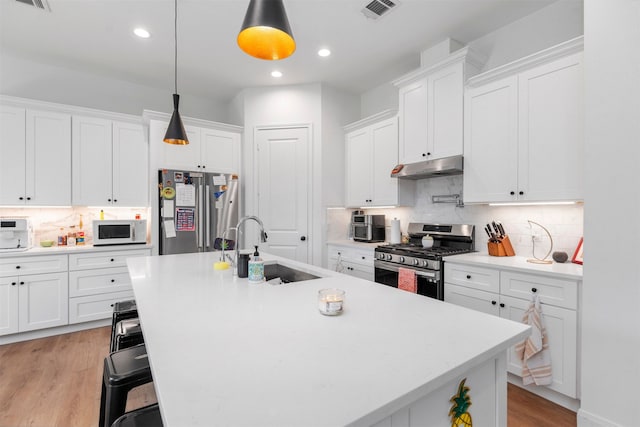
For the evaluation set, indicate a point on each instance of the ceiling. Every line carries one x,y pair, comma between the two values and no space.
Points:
96,36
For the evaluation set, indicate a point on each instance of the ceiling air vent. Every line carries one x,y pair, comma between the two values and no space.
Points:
40,4
377,8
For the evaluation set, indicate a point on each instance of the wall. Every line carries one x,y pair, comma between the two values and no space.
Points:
28,79
563,222
611,288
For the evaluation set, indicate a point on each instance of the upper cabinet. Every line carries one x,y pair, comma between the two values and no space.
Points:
209,149
110,163
524,129
35,157
371,153
431,108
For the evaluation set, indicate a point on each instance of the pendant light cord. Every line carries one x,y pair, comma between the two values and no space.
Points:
175,45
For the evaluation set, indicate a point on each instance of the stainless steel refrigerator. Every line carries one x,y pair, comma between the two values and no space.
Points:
195,210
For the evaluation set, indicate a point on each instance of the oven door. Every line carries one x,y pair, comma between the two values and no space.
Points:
429,283
361,232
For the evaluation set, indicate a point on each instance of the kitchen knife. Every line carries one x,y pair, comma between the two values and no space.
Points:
487,231
501,228
495,227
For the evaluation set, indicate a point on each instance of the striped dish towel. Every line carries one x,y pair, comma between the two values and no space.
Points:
534,351
407,280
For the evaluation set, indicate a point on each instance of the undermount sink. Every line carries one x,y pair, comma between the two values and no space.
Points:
273,270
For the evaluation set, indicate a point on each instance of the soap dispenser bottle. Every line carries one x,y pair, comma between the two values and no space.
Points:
256,268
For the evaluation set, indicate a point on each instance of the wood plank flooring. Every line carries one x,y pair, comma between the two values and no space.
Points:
56,381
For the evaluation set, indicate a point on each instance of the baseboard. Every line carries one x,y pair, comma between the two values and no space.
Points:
546,393
587,419
59,330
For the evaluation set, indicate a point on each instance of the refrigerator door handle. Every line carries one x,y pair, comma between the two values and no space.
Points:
207,209
200,230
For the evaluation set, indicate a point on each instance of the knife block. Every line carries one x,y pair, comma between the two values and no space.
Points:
501,248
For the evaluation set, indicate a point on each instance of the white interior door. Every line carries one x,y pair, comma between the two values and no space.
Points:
283,177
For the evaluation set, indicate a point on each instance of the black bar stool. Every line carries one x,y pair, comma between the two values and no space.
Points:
121,310
127,334
149,416
123,371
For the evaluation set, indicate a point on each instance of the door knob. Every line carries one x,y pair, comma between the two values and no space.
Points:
303,238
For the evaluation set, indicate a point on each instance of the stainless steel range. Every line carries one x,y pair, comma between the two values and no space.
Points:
448,239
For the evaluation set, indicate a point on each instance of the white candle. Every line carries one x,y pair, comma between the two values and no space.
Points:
330,301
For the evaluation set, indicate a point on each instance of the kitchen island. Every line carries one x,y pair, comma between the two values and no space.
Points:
229,353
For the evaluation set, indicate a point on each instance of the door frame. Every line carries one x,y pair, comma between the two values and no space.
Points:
311,231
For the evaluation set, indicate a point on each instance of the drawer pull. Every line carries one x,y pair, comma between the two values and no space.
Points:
363,257
22,283
112,259
468,276
113,280
17,267
502,304
13,283
534,290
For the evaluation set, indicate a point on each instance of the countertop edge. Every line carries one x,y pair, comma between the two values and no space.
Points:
519,264
62,250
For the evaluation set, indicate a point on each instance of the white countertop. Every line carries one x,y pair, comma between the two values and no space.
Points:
64,250
225,352
567,270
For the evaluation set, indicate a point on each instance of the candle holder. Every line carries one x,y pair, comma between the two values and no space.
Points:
330,301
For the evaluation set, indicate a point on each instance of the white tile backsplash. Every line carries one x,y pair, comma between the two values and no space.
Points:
564,222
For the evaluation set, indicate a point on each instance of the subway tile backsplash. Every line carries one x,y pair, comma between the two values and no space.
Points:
564,222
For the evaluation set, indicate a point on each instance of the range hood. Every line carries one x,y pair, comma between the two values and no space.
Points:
429,168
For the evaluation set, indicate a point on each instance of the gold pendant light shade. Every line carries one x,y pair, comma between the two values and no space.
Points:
265,32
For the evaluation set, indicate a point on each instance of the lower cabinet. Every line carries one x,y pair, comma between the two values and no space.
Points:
96,281
357,262
559,312
33,299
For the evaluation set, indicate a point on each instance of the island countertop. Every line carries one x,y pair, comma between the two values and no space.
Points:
226,352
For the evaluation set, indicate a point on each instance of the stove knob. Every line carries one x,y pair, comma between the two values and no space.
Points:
425,263
389,257
380,256
416,262
402,259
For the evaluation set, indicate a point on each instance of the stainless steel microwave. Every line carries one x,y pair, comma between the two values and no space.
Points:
368,228
120,232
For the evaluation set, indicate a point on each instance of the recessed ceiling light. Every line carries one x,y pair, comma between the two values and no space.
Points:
142,33
324,52
276,73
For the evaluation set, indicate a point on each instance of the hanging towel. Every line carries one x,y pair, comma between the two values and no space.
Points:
407,280
534,351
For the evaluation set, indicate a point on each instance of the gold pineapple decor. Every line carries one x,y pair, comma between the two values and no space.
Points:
459,412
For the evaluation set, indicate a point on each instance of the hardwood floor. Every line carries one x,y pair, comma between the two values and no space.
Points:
56,381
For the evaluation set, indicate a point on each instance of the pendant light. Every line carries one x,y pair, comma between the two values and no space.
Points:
176,134
265,32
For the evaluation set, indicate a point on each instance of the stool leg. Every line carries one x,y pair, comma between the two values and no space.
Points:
103,398
116,403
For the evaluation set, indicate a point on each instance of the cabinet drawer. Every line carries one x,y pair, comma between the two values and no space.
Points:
33,265
481,278
358,270
99,281
558,292
94,307
103,259
360,256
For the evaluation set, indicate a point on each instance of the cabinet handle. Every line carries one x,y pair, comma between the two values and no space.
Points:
115,200
18,267
502,304
521,193
22,283
112,259
20,198
534,290
108,200
494,302
204,166
513,193
303,238
28,198
363,257
113,280
468,276
428,154
13,283
424,155
198,166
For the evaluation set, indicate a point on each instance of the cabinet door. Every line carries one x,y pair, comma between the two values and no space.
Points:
358,165
220,151
384,137
12,155
92,161
130,165
43,301
445,109
48,158
181,157
490,142
8,305
485,302
551,131
413,122
561,326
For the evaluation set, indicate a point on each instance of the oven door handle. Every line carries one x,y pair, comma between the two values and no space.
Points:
393,267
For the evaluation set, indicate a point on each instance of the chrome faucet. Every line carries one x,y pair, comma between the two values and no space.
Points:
263,237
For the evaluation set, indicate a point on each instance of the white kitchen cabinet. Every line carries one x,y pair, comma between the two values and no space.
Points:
467,286
357,262
524,130
35,157
209,149
33,293
371,154
96,281
431,108
110,161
